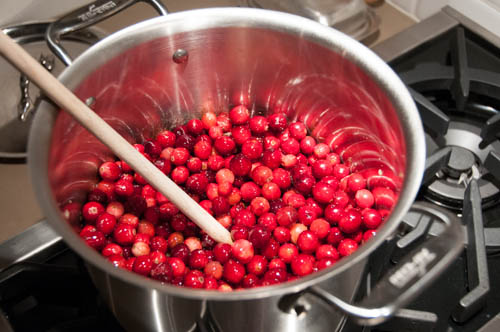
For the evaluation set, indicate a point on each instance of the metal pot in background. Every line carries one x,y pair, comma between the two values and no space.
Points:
19,98
347,96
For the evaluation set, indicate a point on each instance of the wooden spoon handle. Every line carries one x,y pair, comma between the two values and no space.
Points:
65,99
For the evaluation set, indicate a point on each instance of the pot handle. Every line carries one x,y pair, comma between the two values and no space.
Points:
405,281
86,16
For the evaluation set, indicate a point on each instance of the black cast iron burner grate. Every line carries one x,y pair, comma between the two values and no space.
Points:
455,82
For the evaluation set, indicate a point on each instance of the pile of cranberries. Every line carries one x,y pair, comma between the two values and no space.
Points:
292,206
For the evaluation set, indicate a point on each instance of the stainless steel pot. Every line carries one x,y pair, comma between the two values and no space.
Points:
267,60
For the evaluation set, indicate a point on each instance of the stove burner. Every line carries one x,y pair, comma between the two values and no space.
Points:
460,162
460,107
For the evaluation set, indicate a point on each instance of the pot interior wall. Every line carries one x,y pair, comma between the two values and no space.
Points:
142,91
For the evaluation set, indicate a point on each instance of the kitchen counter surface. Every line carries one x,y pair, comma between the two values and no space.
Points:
18,206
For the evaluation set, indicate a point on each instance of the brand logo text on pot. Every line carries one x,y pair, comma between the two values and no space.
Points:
93,10
417,267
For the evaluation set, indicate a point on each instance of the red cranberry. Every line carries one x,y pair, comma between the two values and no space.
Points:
356,182
233,271
124,234
259,125
142,265
194,127
140,249
181,251
194,279
91,211
350,222
275,276
340,171
307,145
220,205
325,263
323,192
271,250
158,243
371,218
290,146
268,220
281,234
198,259
111,249
327,251
271,191
288,252
369,234
214,269
302,265
286,216
152,148
179,156
249,281
262,175
308,242
249,190
271,142
259,206
257,265
180,174
105,223
162,272
241,134
364,198
252,149
322,168
321,150
304,184
93,237
243,250
320,227
277,122
240,165
224,145
185,141
340,199
222,252
166,139
307,214
277,263
272,158
202,150
239,115
109,171
259,236
239,232
117,261
347,247
297,130
282,178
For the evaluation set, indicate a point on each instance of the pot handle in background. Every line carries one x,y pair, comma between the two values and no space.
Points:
86,16
409,278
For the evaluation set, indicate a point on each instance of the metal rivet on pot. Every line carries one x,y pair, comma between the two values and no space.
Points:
180,56
90,101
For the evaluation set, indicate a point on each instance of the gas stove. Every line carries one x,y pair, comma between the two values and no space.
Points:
451,66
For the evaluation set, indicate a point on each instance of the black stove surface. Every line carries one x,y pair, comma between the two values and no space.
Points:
56,295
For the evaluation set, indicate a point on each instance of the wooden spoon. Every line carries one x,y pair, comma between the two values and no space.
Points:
65,99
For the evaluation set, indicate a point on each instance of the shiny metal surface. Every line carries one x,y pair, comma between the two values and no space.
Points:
418,34
348,97
13,132
86,16
28,244
353,17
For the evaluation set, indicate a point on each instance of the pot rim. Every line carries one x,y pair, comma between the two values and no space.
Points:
371,64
